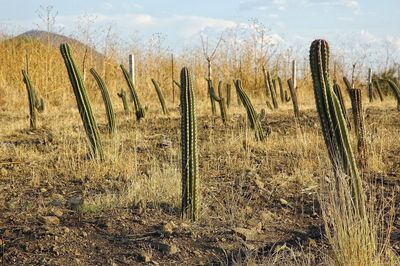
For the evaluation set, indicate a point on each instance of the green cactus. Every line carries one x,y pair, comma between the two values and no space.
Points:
122,95
333,124
395,90
189,147
134,97
212,100
83,103
338,92
251,113
160,97
287,97
107,101
293,95
272,91
356,106
282,91
228,95
378,89
31,98
221,102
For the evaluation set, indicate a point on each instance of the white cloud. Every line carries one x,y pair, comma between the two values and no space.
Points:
368,37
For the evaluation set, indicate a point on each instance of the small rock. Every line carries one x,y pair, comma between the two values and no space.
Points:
145,256
169,249
84,234
284,202
75,203
246,234
43,190
57,213
49,220
168,228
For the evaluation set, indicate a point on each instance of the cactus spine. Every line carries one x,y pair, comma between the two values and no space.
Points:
35,104
160,97
189,147
83,103
107,101
251,113
122,95
333,124
134,98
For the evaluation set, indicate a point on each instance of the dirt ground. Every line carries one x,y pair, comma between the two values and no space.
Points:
259,201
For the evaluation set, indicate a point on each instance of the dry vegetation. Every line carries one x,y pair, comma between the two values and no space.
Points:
260,202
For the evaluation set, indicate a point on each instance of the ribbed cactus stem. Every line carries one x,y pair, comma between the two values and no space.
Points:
338,92
228,94
160,97
122,95
107,101
251,113
281,91
272,91
293,95
356,105
188,147
31,99
333,123
221,101
212,100
378,89
396,92
83,103
134,97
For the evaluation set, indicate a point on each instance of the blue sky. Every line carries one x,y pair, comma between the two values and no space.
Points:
292,22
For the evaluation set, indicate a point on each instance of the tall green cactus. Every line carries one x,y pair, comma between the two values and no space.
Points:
188,147
251,113
221,102
338,92
134,97
356,106
107,101
35,104
160,97
83,103
333,124
395,90
122,95
272,91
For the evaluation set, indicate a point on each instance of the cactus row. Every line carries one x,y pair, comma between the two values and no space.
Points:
35,104
122,95
333,124
160,97
251,113
83,103
134,97
356,106
107,101
220,100
188,147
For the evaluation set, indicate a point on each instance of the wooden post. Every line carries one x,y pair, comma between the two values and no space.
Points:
132,68
172,78
294,74
370,93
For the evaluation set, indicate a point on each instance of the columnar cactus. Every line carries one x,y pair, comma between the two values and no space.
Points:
228,94
35,104
188,147
338,92
378,89
160,97
356,106
107,101
293,95
122,95
333,123
251,113
134,98
282,91
212,100
221,102
83,103
272,91
396,92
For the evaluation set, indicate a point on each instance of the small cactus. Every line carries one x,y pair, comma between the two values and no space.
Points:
134,98
221,102
282,91
122,95
338,92
212,100
356,106
83,103
378,89
107,101
189,147
35,104
293,95
228,95
251,113
160,97
272,91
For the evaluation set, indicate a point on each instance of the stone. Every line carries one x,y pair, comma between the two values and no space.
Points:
169,249
49,220
145,256
246,234
168,228
75,203
56,212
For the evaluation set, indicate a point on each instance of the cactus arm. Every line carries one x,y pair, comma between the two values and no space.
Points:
134,97
107,101
31,98
160,97
83,103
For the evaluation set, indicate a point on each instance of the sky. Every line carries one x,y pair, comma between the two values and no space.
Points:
349,24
